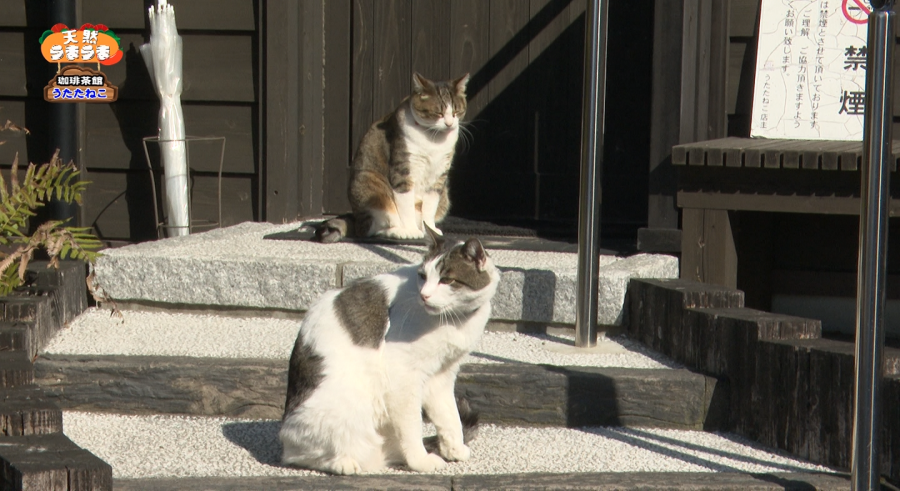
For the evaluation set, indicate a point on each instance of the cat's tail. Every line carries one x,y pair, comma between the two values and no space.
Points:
336,228
469,419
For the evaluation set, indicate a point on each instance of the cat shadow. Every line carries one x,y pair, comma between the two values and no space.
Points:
260,438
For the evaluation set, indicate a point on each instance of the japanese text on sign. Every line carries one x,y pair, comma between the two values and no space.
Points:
810,70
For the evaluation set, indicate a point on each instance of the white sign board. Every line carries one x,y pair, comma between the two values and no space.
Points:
811,70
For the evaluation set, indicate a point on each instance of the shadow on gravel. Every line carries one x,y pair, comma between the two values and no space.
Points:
260,438
692,453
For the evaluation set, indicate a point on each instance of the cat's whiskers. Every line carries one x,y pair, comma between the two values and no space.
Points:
465,136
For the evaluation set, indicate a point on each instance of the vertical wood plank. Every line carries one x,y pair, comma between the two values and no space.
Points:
707,247
718,71
510,126
556,32
431,38
338,53
508,18
311,128
283,87
393,76
665,113
363,71
470,50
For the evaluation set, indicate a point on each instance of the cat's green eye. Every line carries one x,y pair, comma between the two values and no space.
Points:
422,275
447,281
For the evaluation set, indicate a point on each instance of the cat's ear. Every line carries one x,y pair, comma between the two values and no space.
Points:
419,83
434,240
475,251
461,84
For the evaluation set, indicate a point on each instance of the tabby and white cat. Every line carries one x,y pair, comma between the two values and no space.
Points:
371,357
398,178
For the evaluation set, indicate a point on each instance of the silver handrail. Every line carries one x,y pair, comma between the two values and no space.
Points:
873,224
591,165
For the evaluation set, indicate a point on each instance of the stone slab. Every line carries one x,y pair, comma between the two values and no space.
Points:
237,267
513,394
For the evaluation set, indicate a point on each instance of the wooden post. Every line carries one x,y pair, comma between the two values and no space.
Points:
708,252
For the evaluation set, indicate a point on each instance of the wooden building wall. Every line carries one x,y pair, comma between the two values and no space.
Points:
525,59
220,98
293,85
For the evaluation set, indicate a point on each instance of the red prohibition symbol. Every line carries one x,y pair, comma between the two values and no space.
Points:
863,8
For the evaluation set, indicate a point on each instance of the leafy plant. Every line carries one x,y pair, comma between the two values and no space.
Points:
19,202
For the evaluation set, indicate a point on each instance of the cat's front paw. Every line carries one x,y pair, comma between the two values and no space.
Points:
345,466
458,453
427,463
402,233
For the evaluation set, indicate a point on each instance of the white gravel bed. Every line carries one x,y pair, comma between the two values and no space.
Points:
96,332
177,446
137,333
547,349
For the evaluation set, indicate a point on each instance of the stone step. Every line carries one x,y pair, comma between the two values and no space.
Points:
238,267
587,481
50,462
244,454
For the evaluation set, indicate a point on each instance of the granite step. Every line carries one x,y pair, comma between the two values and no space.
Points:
239,267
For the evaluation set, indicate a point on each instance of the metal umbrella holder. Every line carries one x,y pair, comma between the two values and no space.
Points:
166,225
873,224
591,166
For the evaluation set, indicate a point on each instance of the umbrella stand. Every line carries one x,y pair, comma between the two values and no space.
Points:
163,225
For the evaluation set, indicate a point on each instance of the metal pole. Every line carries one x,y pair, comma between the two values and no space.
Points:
591,160
873,224
63,117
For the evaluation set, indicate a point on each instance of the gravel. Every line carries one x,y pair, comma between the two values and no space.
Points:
96,332
178,446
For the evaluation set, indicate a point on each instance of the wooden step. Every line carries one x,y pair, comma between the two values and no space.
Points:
512,394
26,410
50,462
682,481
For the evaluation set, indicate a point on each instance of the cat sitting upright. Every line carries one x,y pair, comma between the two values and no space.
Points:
398,178
370,357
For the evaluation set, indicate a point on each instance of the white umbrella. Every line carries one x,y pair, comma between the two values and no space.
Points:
163,58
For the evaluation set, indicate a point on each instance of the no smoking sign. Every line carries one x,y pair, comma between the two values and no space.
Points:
856,11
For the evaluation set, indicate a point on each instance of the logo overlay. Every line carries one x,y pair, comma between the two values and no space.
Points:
89,44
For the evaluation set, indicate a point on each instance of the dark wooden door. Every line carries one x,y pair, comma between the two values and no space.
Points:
520,163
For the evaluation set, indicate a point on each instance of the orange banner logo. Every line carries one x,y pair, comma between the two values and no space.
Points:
90,44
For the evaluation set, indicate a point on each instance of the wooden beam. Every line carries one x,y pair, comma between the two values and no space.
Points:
707,247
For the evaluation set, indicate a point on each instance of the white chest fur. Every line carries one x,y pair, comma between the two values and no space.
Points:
430,152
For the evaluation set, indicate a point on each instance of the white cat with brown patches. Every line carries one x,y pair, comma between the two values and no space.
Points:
371,357
398,178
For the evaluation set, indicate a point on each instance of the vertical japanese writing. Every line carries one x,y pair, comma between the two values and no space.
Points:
801,81
766,93
818,75
789,23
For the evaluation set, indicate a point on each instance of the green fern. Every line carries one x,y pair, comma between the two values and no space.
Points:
18,202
